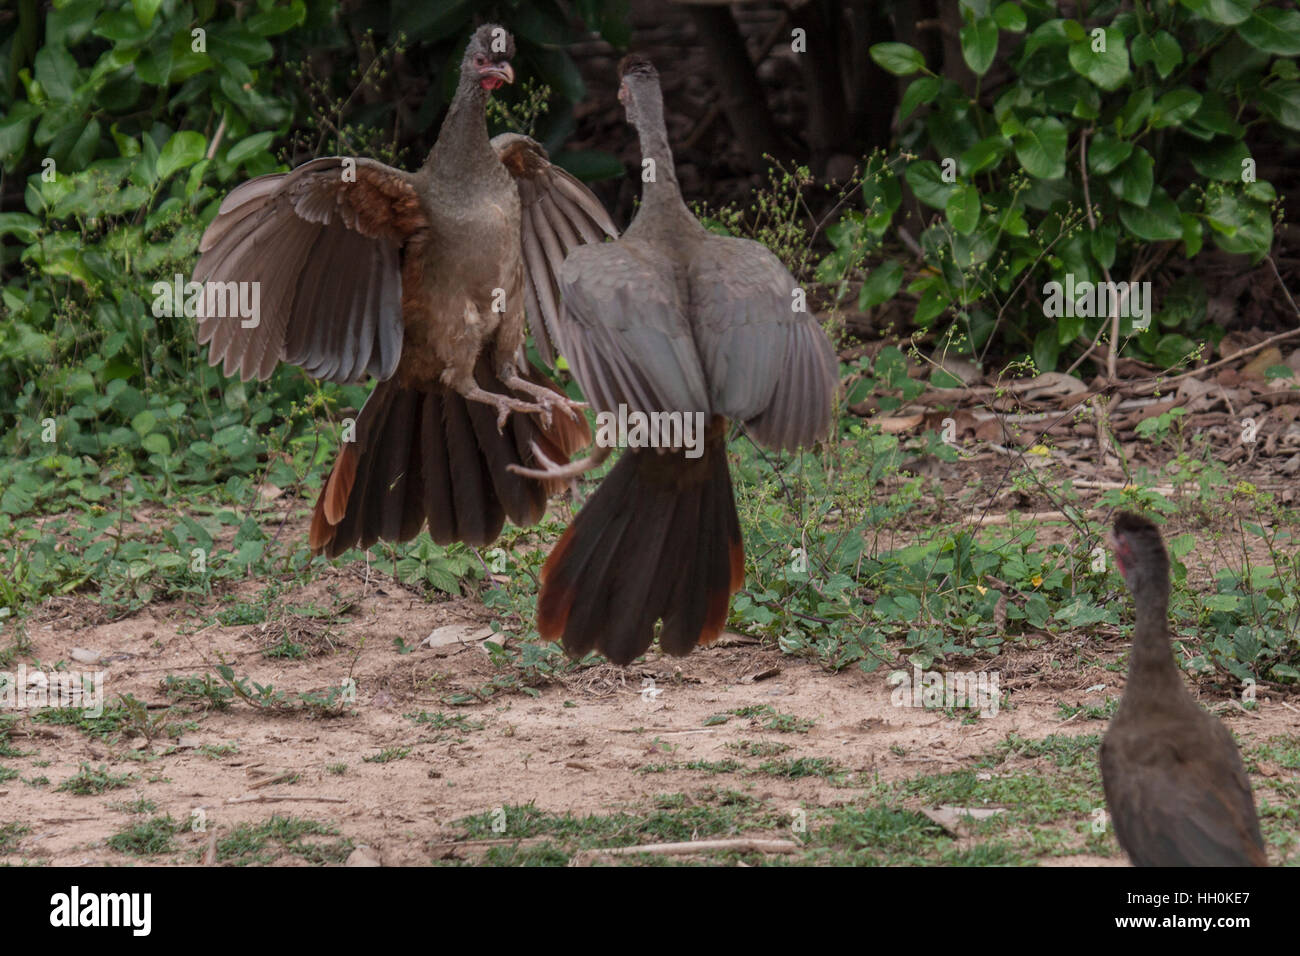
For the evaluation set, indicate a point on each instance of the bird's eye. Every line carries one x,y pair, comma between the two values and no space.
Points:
479,59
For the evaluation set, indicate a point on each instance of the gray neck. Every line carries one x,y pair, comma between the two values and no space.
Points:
661,198
1153,677
463,147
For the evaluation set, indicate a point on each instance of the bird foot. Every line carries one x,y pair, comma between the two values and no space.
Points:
505,404
554,471
546,397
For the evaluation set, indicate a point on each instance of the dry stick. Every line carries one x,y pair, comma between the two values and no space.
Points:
1158,382
1282,285
283,798
216,137
1113,352
697,846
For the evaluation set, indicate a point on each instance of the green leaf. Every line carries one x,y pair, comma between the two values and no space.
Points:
1282,102
1106,152
277,19
882,285
1010,17
963,209
1133,180
1239,225
983,155
1158,220
933,302
979,44
19,224
921,90
1171,349
1041,147
1047,348
1101,243
1107,69
1135,111
1175,107
145,10
1162,50
1227,12
156,444
926,181
1193,234
56,71
249,146
182,150
897,58
1221,160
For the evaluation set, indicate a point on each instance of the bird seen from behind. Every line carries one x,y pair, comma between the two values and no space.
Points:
1175,784
673,319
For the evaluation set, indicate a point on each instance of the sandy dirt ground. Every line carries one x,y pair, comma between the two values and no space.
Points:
582,745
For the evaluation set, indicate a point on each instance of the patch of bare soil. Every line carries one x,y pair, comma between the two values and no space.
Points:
580,745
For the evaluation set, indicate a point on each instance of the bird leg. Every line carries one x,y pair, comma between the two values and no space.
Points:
554,471
546,397
505,404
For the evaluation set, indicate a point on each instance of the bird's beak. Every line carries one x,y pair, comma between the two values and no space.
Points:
495,74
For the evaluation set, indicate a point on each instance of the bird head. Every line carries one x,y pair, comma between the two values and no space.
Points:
638,83
487,58
1141,557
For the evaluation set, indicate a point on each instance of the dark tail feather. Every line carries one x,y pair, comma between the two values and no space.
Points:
659,540
430,455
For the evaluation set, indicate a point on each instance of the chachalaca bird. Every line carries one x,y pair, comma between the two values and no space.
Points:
671,318
1176,787
422,281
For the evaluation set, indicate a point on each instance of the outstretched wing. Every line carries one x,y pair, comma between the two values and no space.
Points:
559,214
624,330
323,246
769,363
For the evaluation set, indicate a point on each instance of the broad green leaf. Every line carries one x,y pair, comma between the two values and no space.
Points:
882,285
1175,107
921,90
979,44
983,155
1135,111
1010,17
963,209
1157,221
1162,50
145,10
249,146
1193,234
1101,243
1227,12
278,19
926,180
1047,348
1221,160
1282,102
56,71
1105,152
182,150
1108,69
1041,147
897,58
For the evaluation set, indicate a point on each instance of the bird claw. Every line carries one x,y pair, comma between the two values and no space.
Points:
545,398
505,404
554,471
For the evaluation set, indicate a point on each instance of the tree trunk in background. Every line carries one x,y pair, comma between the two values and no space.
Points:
742,96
